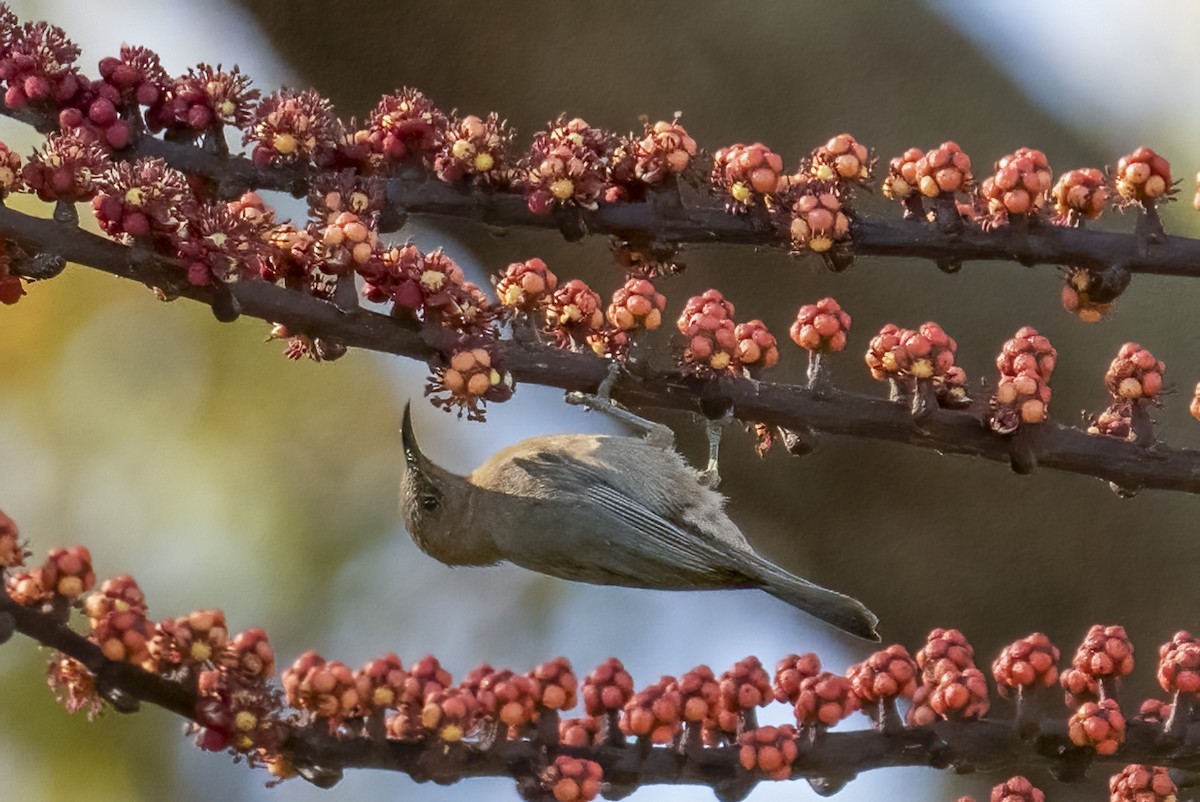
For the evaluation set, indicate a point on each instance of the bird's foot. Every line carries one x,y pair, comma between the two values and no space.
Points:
711,476
655,433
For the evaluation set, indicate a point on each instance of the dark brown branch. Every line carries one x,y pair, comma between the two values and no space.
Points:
835,758
1123,463
664,219
132,681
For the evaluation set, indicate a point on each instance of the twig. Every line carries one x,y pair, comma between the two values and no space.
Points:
986,745
1126,464
663,219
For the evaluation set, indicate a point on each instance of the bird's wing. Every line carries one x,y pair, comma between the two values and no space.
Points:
651,530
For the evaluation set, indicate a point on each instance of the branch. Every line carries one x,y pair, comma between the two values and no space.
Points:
1125,464
828,761
663,218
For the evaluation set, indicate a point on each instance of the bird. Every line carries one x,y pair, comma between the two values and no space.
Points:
604,510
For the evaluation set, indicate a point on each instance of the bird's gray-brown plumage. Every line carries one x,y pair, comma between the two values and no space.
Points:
603,510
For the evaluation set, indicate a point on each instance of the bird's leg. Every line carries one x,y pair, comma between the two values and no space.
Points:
604,391
655,433
710,476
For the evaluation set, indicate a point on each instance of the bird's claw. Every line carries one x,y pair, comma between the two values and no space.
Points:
711,476
655,433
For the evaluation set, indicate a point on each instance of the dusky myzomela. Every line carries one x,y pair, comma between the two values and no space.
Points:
607,510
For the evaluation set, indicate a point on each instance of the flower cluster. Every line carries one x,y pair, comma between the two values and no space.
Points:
38,64
884,677
744,687
406,124
820,698
1134,374
1104,657
571,779
770,751
1134,380
1179,664
291,127
655,713
939,174
474,149
469,378
137,75
664,150
906,358
1078,195
208,98
822,326
1099,725
1019,187
143,201
1026,664
707,324
755,346
818,220
217,245
841,159
566,164
607,689
700,694
525,287
1141,783
636,306
714,343
1143,177
573,313
1022,395
66,168
952,686
747,174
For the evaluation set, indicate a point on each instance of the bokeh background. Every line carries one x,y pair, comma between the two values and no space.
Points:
195,457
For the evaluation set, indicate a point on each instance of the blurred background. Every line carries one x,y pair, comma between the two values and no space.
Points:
195,457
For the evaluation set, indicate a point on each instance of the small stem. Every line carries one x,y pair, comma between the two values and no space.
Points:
691,743
820,373
1175,726
949,222
610,730
1021,456
886,717
345,293
748,720
1149,227
546,731
914,209
898,391
1140,424
924,400
65,212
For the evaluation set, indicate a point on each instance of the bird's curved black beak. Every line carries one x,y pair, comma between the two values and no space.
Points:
412,452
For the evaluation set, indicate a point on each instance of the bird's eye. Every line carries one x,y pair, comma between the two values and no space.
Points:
429,503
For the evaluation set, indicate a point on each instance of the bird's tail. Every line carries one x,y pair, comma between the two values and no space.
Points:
828,605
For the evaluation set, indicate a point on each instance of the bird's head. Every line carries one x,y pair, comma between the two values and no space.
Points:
436,506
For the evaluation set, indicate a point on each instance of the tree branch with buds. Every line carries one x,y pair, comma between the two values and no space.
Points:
320,718
1127,464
